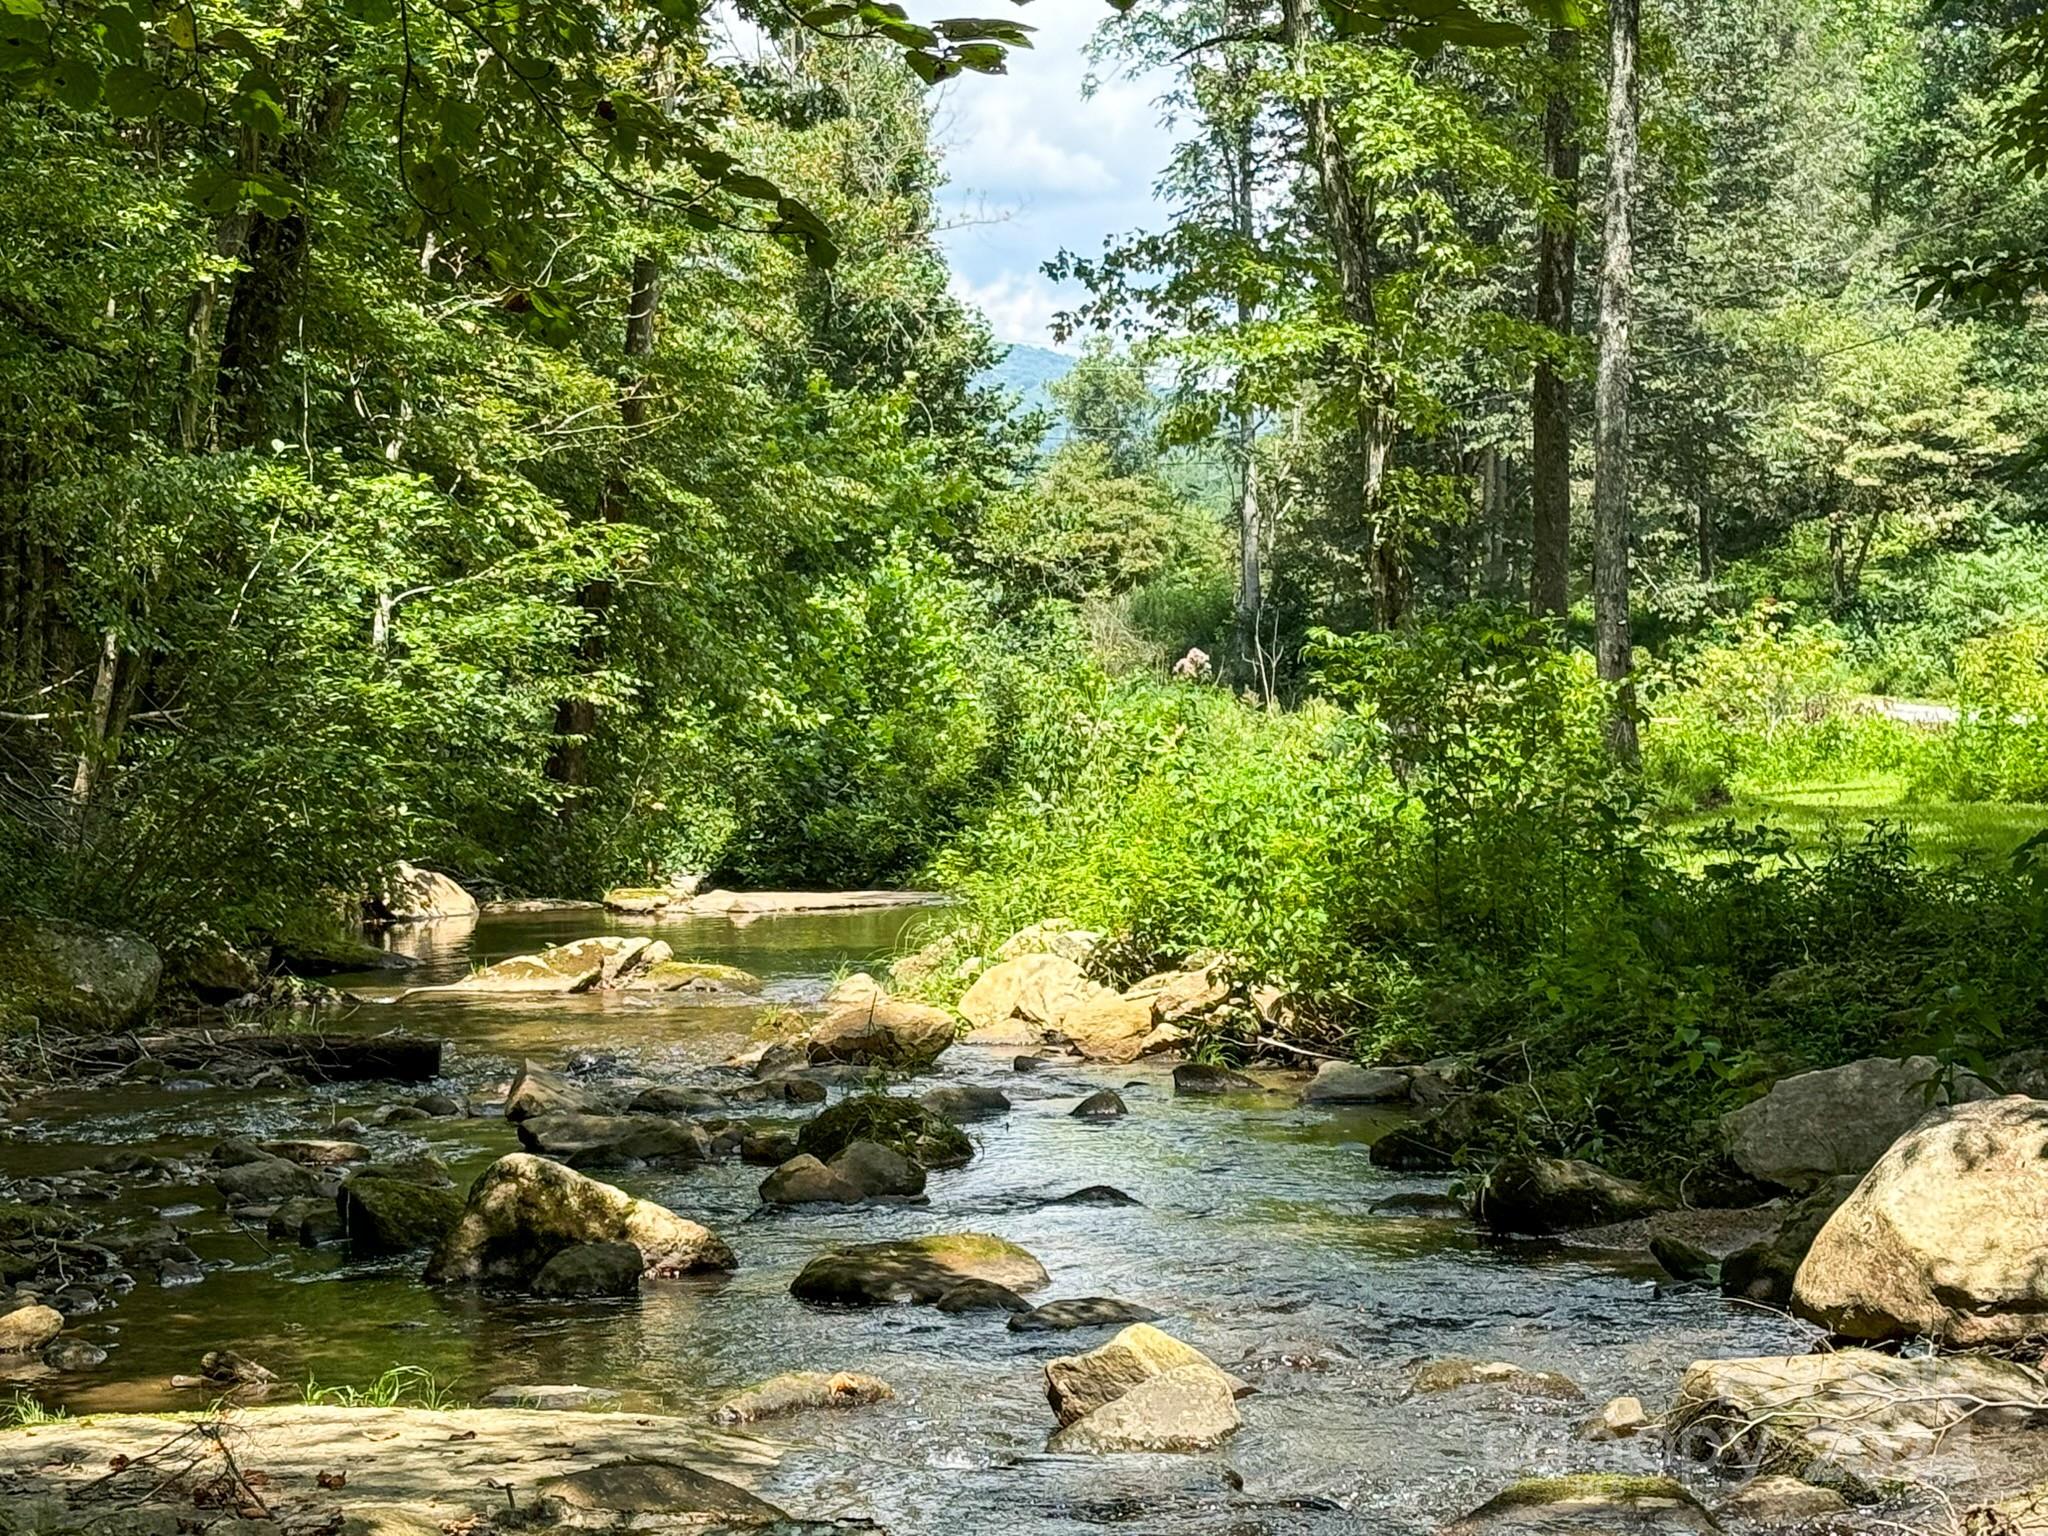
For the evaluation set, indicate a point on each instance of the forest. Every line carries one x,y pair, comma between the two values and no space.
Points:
1480,749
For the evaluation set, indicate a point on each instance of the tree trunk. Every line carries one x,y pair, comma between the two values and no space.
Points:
1611,402
1244,422
99,725
192,429
1550,394
1496,522
576,719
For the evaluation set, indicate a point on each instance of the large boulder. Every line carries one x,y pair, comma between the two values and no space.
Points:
879,1172
1038,990
385,1215
1054,936
885,1032
1944,1238
264,1180
1109,1028
584,1271
26,1329
71,976
536,1091
964,1102
1812,1127
803,1180
672,975
918,1269
1834,1418
1078,1385
414,895
1538,1195
1183,1411
523,1210
902,1125
1346,1082
1185,994
614,1141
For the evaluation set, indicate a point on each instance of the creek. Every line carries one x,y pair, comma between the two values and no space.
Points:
1255,1237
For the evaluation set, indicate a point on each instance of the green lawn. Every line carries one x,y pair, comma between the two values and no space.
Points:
1940,829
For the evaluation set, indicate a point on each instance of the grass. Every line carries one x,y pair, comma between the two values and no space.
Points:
1941,830
403,1386
25,1410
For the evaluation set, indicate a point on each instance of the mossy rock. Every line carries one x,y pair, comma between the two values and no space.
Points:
692,976
19,1222
395,1215
71,976
919,1269
314,955
1591,1502
902,1125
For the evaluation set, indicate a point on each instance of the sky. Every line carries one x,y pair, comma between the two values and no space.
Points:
1035,168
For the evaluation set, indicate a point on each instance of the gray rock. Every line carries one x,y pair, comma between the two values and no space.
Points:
1817,1125
588,1270
665,1100
1537,1195
803,1180
963,1102
1196,1079
1346,1082
981,1296
73,1355
1764,1271
768,1146
536,1091
1106,1104
613,1141
620,1491
1096,1194
1081,1312
388,1215
264,1181
878,1171
69,975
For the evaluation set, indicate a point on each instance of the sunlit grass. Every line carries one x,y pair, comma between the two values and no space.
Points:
1941,830
403,1386
25,1409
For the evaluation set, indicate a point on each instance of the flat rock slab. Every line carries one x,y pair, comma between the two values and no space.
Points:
765,903
406,1469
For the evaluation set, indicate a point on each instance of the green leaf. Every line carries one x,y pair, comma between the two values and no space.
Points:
965,30
74,82
182,33
132,91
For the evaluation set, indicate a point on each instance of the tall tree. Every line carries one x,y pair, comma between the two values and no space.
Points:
1610,402
1550,394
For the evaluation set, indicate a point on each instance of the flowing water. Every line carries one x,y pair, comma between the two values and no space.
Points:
1256,1238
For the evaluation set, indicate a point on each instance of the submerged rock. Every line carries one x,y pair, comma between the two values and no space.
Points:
551,1397
1595,1503
902,1125
981,1296
964,1102
1105,1104
1812,1127
523,1210
1184,1411
585,1270
612,1141
1538,1195
1096,1194
1081,1312
796,1391
1452,1373
315,1153
919,1269
71,976
1943,1237
692,976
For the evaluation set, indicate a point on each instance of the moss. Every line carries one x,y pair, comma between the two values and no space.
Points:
678,975
903,1125
1611,1490
35,1221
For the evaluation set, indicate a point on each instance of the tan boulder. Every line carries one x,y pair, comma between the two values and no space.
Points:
1183,1411
27,1329
1814,1126
1944,1237
1039,989
1184,994
1109,1028
885,1033
1054,936
1077,1385
415,895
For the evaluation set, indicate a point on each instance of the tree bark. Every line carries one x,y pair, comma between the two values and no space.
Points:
1611,395
99,725
1550,395
1244,423
192,429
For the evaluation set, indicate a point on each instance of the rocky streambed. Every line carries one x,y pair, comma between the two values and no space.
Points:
1344,1350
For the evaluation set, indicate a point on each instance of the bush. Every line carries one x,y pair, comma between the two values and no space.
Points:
1998,747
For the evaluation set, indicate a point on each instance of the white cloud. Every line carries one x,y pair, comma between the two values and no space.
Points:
1019,306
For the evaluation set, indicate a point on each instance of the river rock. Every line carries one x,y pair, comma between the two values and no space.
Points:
585,1270
1782,1501
887,1033
796,1391
641,1494
803,1180
552,1398
768,1146
1831,1418
614,1141
1619,1418
1037,990
918,1269
1104,1104
1096,1194
414,895
1817,1125
671,975
1106,1027
1054,936
1346,1082
902,1125
856,989
1764,1270
1198,1079
315,955
1081,1312
879,1172
638,901
1538,1195
523,1210
1943,1237
308,1221
536,1091
1183,994
781,1089
73,1355
72,976
1454,1372
981,1296
393,1215
666,1100
315,1153
1077,1385
965,1102
1590,1504
27,1329
1431,1142
264,1181
1184,1411
213,970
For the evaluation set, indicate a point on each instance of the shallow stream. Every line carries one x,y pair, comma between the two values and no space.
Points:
1256,1238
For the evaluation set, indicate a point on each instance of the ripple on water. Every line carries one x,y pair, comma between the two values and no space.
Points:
1254,1236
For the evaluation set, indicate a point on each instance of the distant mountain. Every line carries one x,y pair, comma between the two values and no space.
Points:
1025,371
